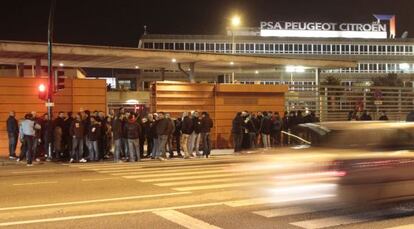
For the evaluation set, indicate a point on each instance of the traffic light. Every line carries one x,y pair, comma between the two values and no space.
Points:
42,92
60,80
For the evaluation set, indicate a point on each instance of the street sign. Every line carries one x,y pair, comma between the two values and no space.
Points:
49,104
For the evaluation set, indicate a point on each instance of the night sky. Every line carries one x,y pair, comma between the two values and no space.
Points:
120,22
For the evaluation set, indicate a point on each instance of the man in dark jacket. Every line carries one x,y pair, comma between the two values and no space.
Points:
93,136
76,132
265,130
117,136
163,129
237,132
177,136
186,130
251,129
132,130
206,125
13,134
149,135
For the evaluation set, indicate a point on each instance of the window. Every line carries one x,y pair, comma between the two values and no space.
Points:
307,48
390,49
336,49
210,47
278,48
249,48
240,48
159,45
259,48
200,46
363,49
228,48
372,49
127,84
289,48
345,49
169,46
111,82
269,48
189,46
298,48
179,46
148,45
317,48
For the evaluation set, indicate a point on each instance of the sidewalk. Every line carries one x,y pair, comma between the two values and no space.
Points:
215,152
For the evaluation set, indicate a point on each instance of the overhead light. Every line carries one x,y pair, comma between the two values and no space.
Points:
132,101
232,63
256,72
136,67
189,69
292,68
235,21
173,60
404,66
61,64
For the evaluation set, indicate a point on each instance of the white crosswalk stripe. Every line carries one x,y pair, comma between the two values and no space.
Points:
351,218
224,173
408,226
184,220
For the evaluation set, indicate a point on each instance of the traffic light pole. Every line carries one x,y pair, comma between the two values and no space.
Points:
50,68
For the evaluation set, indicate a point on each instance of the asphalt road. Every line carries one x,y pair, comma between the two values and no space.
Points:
220,192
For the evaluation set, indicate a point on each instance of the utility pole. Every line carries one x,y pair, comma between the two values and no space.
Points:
50,90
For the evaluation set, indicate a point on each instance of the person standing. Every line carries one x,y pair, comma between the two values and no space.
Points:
59,124
132,131
28,133
251,129
13,134
237,132
76,131
186,130
146,126
47,136
383,116
206,125
177,136
171,128
117,136
196,140
265,129
153,133
163,130
93,136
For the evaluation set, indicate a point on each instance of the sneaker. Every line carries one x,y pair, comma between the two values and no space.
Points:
37,159
12,158
18,160
161,159
194,154
83,160
71,160
29,165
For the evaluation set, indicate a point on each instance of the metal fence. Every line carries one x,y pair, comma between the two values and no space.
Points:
333,103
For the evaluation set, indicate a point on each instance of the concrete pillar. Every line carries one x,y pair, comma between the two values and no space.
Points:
162,70
191,75
20,69
38,67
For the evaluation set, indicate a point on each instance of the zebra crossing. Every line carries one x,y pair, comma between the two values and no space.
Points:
229,174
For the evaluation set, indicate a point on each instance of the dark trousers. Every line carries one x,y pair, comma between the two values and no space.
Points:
150,145
206,143
237,141
177,139
141,146
28,141
12,144
77,149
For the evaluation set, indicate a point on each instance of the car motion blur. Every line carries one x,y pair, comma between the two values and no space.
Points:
348,162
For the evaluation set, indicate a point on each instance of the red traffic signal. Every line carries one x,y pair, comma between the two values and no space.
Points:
42,92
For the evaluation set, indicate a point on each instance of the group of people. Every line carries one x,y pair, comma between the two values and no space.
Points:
365,116
94,136
264,129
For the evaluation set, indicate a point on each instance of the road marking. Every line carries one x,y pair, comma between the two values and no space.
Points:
249,202
75,217
100,179
350,219
94,201
218,186
184,220
33,171
169,184
238,174
145,170
153,174
36,183
293,211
